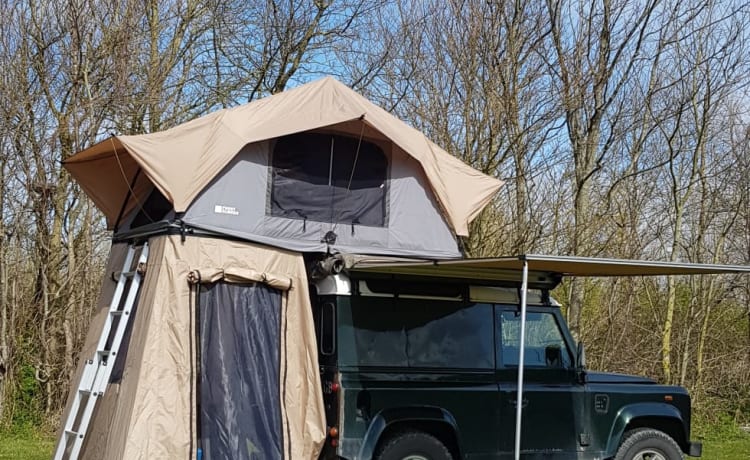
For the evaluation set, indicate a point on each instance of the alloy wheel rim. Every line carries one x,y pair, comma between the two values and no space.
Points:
415,457
649,454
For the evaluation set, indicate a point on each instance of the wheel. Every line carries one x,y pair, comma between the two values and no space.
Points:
414,445
648,444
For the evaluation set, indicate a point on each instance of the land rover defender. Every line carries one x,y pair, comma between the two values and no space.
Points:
421,368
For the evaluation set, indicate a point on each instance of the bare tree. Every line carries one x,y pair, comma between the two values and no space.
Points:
703,70
471,75
597,48
258,48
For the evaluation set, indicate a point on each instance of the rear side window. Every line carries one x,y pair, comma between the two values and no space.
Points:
329,178
417,334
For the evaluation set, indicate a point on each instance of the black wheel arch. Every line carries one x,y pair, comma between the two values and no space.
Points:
392,422
659,416
669,426
646,438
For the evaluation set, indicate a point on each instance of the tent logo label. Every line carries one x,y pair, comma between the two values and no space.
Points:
232,211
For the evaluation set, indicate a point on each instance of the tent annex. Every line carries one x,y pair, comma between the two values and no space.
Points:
316,168
216,357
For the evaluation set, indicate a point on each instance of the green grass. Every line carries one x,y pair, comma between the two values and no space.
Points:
30,446
25,446
722,439
732,449
724,442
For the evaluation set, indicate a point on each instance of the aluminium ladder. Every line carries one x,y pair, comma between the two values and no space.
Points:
97,369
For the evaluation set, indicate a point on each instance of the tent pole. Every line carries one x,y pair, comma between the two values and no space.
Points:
197,363
127,198
521,346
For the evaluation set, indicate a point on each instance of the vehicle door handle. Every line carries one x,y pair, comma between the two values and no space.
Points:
514,403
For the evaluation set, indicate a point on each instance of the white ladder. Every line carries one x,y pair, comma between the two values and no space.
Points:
97,370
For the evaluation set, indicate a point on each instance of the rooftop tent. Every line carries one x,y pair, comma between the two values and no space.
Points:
315,168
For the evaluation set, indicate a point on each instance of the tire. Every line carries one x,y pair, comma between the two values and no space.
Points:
648,444
413,445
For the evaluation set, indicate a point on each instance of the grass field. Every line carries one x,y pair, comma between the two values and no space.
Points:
735,446
25,447
33,447
735,449
732,449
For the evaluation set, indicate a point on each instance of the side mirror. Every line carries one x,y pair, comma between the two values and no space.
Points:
581,357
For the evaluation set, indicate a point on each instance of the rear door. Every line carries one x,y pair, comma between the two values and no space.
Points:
550,396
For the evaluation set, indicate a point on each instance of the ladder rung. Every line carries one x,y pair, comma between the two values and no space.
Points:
96,372
129,274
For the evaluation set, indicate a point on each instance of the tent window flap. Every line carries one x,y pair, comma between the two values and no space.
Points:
240,413
329,178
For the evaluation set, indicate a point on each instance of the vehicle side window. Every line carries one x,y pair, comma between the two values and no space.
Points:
545,346
327,329
417,334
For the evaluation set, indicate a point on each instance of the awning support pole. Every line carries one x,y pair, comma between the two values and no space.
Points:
521,346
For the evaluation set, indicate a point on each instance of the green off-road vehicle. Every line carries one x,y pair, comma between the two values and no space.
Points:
426,368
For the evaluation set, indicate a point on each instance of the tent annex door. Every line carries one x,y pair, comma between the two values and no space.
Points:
238,390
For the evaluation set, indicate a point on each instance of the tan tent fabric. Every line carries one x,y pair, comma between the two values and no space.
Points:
302,407
109,171
238,275
183,160
150,413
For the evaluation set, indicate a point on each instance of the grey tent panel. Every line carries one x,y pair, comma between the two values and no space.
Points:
237,203
240,413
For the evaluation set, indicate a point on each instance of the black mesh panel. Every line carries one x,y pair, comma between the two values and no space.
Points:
315,177
240,413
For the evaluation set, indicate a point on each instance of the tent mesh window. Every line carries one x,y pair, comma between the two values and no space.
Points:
155,208
329,178
240,409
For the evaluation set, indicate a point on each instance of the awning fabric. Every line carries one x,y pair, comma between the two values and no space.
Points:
541,267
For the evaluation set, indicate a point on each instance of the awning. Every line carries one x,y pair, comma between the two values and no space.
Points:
543,269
